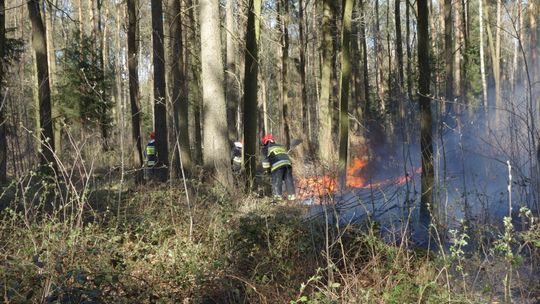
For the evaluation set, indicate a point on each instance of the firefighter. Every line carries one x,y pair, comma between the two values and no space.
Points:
151,155
236,156
276,159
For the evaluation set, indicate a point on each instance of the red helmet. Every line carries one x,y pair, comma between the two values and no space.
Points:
267,138
152,135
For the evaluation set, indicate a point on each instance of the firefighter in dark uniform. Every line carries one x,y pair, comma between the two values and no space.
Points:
276,159
151,155
236,157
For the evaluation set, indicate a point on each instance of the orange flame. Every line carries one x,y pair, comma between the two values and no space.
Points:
320,186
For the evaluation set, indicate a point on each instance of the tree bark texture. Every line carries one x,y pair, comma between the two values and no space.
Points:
232,91
326,150
448,51
3,117
426,141
216,146
39,44
365,65
283,14
180,101
251,72
345,82
160,100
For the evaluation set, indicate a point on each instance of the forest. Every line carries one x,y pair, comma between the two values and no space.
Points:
278,151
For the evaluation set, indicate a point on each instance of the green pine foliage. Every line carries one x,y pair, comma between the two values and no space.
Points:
84,85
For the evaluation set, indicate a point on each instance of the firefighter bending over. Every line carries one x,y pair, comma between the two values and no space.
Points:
276,159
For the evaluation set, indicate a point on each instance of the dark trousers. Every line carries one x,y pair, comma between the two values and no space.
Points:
278,176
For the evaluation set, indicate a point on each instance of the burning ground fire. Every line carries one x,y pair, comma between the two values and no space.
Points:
320,186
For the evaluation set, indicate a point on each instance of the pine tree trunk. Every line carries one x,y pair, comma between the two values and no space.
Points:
326,150
345,82
39,44
231,76
160,100
3,117
251,73
133,72
426,142
216,146
379,61
180,101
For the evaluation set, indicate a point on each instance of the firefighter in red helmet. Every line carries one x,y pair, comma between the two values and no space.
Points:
276,159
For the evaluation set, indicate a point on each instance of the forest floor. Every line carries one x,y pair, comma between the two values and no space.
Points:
113,243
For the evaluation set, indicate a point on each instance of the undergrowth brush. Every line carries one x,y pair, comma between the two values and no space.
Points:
148,245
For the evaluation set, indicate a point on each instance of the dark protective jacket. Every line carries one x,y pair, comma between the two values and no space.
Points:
275,156
151,156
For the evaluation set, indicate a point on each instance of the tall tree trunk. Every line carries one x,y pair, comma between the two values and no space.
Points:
409,52
497,64
283,17
160,100
533,42
464,25
482,62
180,101
39,44
448,52
302,71
216,146
325,122
345,82
133,72
251,73
193,63
426,142
3,137
232,91
365,65
399,45
379,60
51,60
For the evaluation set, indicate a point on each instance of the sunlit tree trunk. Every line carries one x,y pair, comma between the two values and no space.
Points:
426,142
3,137
133,73
180,101
482,61
251,73
325,122
283,20
365,66
51,60
378,60
448,51
39,44
345,82
216,146
497,63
